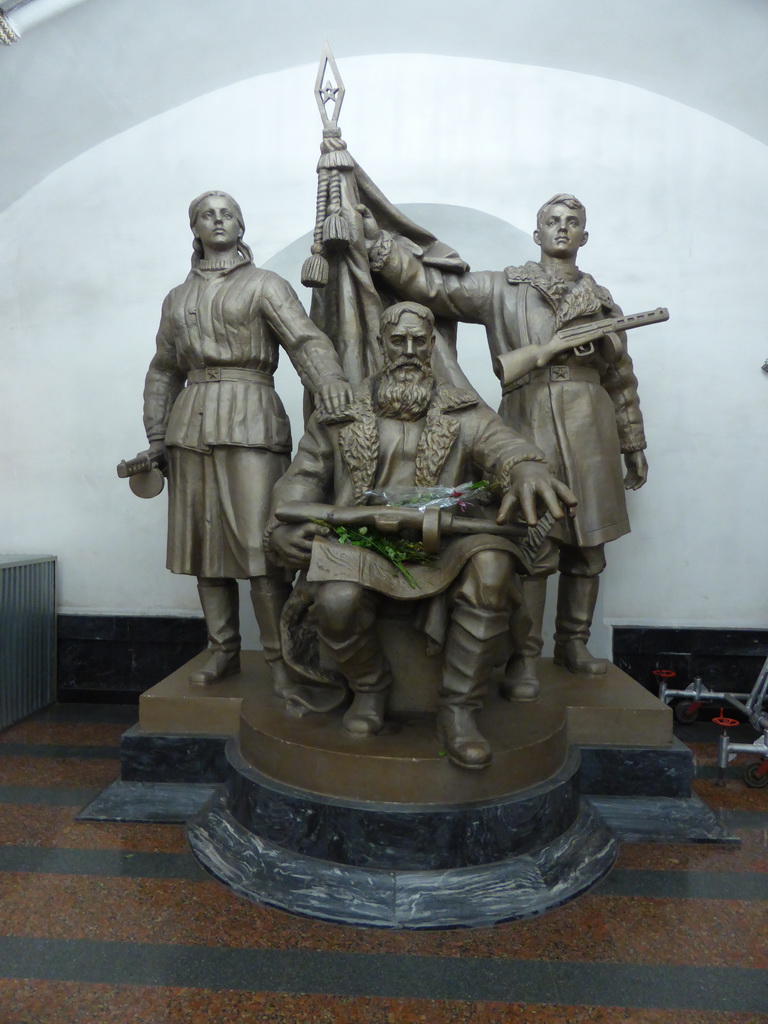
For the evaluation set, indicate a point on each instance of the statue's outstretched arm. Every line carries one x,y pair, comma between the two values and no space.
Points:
454,295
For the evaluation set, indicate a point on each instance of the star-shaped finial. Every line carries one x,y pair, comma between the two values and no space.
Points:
329,88
328,92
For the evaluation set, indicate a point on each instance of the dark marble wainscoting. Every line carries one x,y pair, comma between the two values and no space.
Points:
725,659
114,658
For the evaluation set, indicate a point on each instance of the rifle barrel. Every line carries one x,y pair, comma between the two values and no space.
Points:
399,517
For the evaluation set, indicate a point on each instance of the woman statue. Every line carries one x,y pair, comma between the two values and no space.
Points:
218,429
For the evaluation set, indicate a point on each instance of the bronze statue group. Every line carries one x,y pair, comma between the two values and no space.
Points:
391,413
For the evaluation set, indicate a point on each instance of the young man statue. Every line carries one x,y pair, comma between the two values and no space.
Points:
581,408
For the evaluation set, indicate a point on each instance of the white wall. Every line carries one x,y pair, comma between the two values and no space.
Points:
676,217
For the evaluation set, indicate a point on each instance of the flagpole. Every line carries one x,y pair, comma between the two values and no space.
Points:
331,230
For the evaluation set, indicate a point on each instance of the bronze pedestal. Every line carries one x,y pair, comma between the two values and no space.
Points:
386,831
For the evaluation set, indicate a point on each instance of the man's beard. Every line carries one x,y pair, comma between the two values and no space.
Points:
404,389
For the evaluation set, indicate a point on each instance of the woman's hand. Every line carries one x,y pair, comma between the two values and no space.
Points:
334,397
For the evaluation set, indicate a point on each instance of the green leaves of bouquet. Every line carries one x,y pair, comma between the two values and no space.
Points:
396,550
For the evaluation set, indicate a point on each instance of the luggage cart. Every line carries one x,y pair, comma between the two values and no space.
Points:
756,774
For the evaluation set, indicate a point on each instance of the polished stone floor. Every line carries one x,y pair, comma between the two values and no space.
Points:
104,923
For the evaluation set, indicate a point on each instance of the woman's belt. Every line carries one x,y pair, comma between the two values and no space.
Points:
215,373
551,374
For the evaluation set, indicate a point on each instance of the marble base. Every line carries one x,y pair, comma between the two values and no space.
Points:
630,819
517,886
387,832
153,802
157,757
402,836
401,863
637,771
662,820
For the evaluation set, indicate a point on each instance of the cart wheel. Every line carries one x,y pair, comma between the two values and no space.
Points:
686,711
756,775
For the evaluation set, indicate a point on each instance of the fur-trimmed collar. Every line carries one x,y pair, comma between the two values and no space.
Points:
569,299
358,438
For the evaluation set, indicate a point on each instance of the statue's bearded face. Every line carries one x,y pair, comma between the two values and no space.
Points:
406,381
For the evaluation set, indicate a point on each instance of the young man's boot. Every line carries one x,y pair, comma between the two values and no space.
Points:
576,600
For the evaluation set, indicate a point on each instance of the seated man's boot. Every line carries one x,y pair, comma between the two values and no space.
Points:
365,717
576,599
346,627
468,664
459,736
220,601
521,681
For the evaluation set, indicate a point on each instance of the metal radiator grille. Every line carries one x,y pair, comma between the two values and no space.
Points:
27,635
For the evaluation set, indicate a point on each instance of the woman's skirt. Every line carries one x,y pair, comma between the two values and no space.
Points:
218,507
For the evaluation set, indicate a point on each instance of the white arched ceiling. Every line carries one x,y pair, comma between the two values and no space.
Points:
100,67
673,196
109,98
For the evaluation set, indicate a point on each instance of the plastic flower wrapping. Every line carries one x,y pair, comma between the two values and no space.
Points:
467,496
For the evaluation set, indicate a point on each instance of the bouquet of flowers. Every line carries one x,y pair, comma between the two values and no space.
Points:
397,550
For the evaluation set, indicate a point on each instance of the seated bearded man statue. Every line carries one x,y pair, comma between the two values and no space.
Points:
405,429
